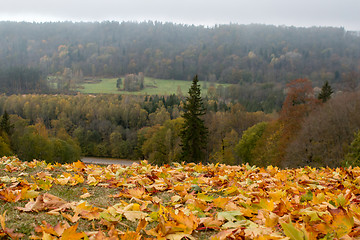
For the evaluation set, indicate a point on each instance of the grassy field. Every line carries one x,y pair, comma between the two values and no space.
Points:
152,87
182,201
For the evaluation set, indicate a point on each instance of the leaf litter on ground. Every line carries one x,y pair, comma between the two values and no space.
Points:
40,200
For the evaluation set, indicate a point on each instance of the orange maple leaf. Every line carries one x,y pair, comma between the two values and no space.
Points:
342,221
130,235
78,166
10,195
87,211
71,234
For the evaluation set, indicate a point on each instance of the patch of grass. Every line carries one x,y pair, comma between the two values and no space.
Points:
165,197
203,235
153,86
100,197
68,193
107,85
24,222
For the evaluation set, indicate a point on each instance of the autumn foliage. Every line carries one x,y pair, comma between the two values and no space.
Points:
271,146
183,201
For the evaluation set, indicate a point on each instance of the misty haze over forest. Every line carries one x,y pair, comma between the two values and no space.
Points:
226,53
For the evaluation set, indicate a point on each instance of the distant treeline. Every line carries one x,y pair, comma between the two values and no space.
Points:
225,53
22,80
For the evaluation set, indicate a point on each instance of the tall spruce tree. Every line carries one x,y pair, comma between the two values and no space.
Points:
326,92
5,123
194,133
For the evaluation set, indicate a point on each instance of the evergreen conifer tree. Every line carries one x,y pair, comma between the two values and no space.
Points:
326,92
194,133
5,123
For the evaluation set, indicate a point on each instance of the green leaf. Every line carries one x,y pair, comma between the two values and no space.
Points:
195,188
341,200
314,215
308,196
292,232
229,216
204,197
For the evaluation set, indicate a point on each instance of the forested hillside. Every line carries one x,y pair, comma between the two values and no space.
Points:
225,53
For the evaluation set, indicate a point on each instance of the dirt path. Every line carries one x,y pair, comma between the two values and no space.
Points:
107,161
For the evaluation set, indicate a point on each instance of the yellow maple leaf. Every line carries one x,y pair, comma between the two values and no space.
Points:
267,204
29,194
2,220
10,195
77,179
134,215
78,166
91,180
220,202
277,195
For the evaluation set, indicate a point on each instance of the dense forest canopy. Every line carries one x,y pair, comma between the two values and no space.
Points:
224,53
132,127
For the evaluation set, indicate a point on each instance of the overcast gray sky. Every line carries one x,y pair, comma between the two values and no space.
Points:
337,13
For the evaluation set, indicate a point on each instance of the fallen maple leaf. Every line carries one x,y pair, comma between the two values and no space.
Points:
130,235
61,227
71,234
221,202
72,219
229,216
45,202
87,211
342,221
179,236
209,223
28,194
226,234
78,166
139,193
271,219
92,180
10,195
293,232
141,225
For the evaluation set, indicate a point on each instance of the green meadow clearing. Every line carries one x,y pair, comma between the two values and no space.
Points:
152,87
